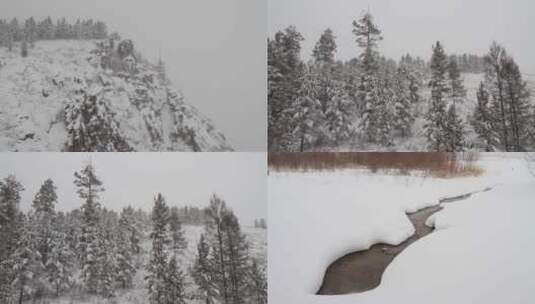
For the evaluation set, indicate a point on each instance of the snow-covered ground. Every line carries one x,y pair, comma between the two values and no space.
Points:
35,90
482,252
138,293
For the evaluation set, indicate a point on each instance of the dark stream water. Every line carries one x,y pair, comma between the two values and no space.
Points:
362,271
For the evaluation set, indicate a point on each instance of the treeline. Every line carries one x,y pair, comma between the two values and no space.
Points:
31,30
45,253
371,100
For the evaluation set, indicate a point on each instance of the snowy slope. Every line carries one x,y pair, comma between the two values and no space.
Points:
34,92
481,253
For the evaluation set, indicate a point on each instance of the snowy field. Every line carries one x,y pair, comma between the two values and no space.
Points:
138,293
482,252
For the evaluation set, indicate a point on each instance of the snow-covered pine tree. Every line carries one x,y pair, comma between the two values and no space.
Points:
325,48
308,117
285,70
44,213
175,283
10,195
436,114
60,263
257,283
495,83
10,232
372,104
457,91
27,265
130,227
482,120
236,250
30,31
91,124
510,99
454,131
157,267
124,256
24,49
339,115
403,116
229,258
518,105
202,272
178,240
215,231
89,185
107,263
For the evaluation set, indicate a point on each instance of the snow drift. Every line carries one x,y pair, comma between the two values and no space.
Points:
481,253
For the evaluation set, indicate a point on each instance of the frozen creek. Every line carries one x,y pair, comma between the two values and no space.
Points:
363,270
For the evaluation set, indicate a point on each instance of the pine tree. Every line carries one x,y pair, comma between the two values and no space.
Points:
91,124
215,231
44,213
458,92
30,31
325,48
257,283
436,114
373,105
495,82
482,120
129,227
175,284
178,241
229,253
27,265
10,233
89,185
518,104
60,263
285,78
404,118
236,250
24,49
307,114
10,190
454,131
124,259
107,266
510,99
339,115
202,272
157,267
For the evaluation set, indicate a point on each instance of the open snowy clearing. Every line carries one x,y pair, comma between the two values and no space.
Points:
483,244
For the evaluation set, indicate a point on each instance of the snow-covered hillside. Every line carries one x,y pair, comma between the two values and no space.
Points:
481,252
148,114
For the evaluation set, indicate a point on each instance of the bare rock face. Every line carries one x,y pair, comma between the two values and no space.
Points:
89,96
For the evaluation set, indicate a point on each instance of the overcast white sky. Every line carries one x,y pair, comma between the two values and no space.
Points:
215,51
414,25
135,178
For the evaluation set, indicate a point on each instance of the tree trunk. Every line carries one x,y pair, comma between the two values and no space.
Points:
21,293
220,240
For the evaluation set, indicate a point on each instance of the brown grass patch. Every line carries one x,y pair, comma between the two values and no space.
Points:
441,165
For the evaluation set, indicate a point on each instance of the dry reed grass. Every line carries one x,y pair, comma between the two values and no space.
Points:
441,165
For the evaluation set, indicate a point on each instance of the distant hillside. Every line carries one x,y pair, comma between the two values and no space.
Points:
95,95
